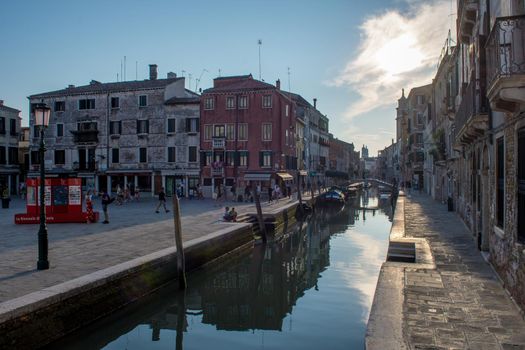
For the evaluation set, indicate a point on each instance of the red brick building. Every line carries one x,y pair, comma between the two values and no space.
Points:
247,134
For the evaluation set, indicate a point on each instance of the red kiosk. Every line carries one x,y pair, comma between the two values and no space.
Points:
63,198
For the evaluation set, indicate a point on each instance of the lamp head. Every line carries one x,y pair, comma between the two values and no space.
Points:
42,114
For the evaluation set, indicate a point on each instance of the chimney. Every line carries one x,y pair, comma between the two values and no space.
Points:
70,86
278,84
315,103
171,75
152,72
1,102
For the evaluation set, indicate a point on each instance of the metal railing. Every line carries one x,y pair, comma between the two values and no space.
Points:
218,142
473,102
505,48
85,136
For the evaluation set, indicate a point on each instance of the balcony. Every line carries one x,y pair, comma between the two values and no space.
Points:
472,115
218,142
89,166
467,11
217,171
506,64
85,136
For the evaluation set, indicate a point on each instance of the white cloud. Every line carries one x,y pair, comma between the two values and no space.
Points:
397,50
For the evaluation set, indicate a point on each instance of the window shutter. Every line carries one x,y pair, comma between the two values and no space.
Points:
261,159
188,124
203,159
236,158
138,126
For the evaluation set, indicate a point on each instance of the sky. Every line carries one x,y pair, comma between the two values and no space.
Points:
354,56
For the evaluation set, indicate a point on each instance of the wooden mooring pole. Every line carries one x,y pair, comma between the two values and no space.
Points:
181,268
262,226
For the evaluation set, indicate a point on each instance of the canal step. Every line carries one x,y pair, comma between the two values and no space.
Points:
402,252
250,219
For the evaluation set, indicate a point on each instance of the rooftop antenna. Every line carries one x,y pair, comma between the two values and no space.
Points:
183,71
219,72
121,69
189,76
117,77
124,68
289,89
259,42
198,80
136,70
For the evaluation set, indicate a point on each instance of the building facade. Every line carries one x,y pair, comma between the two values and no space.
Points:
248,130
9,134
138,134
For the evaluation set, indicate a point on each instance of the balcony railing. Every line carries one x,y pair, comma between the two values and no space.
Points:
219,171
506,48
472,109
218,142
85,136
466,18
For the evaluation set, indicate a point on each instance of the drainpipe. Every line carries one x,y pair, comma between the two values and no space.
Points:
491,136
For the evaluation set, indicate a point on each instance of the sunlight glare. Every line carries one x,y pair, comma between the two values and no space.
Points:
399,55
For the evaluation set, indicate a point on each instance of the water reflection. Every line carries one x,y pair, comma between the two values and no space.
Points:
312,289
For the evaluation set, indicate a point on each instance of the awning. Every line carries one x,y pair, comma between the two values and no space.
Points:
257,176
285,176
303,172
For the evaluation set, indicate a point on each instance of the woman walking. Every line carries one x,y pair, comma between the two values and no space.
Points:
90,215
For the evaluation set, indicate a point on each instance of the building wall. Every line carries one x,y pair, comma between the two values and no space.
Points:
9,168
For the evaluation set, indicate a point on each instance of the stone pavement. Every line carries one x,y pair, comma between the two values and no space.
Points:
460,304
78,249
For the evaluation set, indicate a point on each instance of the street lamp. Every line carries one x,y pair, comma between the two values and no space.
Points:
42,113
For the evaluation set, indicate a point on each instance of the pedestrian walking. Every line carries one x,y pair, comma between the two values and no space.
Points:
106,200
162,201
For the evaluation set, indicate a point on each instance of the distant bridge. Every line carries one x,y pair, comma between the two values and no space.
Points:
375,181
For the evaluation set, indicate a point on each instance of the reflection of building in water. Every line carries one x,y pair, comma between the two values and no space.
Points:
259,292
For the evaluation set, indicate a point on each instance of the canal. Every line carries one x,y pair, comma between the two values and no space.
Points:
313,289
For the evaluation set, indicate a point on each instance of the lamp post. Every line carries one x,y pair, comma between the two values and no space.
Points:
42,113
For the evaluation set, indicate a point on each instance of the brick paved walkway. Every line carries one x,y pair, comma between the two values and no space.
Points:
460,304
78,249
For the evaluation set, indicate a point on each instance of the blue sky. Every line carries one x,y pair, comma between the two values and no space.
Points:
330,47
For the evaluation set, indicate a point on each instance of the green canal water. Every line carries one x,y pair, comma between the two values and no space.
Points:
311,290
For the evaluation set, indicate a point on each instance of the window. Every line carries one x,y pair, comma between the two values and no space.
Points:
12,127
218,131
13,155
171,154
419,118
286,137
243,102
115,155
192,154
87,126
142,126
35,157
267,132
115,127
60,130
265,159
500,185
208,157
192,125
143,155
267,101
2,125
87,103
243,132
230,131
230,158
115,102
171,125
208,131
420,99
521,185
143,101
2,155
243,158
60,157
208,103
287,110
60,106
230,102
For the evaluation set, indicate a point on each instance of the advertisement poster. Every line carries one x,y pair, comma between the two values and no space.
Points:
74,195
47,195
60,194
31,195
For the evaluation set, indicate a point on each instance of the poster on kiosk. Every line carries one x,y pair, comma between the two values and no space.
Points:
63,201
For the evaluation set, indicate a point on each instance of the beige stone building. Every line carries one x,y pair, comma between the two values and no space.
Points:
137,134
9,133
